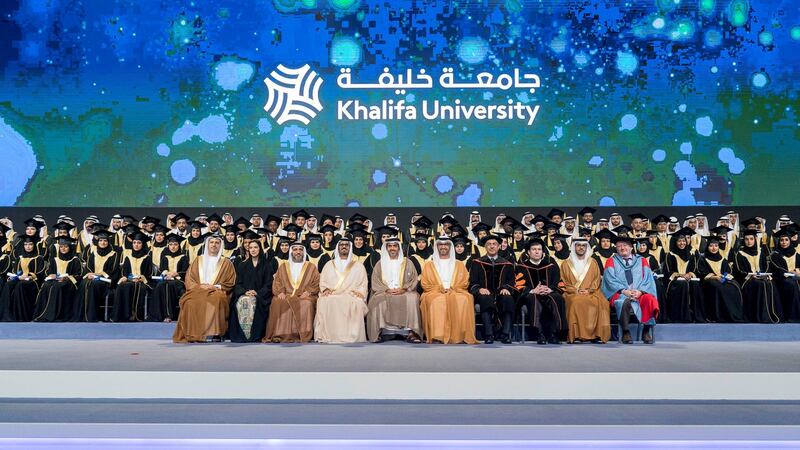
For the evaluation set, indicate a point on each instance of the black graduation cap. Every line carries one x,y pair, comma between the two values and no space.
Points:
622,229
242,221
180,216
357,218
622,238
421,236
480,226
300,213
539,218
360,231
174,238
491,237
605,233
751,221
32,239
271,218
160,229
713,239
385,230
327,217
150,219
195,224
459,240
232,228
33,223
643,240
660,218
587,210
447,220
130,229
555,212
423,222
139,236
639,216
260,231
533,241
685,231
327,228
552,225
3,229
97,226
458,229
782,232
792,227
214,218
249,234
753,233
63,226
583,231
313,237
292,228
128,218
722,229
66,240
103,234
512,222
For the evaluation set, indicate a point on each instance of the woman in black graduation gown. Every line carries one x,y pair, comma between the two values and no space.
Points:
101,273
194,242
133,285
604,248
561,250
41,244
19,293
785,260
56,299
460,246
163,304
644,250
252,297
683,293
230,243
281,253
721,292
314,250
761,301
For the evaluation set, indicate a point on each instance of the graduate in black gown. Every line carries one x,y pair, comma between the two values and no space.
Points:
721,292
785,268
134,282
604,248
281,253
684,297
33,229
19,293
421,251
751,267
461,248
194,242
314,251
252,296
230,242
537,279
163,303
101,273
6,260
56,299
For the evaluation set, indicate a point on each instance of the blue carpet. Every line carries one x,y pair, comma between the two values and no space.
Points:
163,331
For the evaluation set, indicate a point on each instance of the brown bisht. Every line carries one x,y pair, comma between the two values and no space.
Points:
401,311
204,312
291,318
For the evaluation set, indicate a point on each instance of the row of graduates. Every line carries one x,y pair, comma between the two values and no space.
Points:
683,296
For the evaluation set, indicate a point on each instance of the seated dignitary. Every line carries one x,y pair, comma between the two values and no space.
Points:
163,304
394,303
295,288
251,296
588,317
630,287
18,297
750,267
448,311
491,280
537,279
342,303
55,302
101,274
134,282
205,304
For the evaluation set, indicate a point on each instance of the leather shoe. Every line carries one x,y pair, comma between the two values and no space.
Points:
647,338
626,338
541,340
554,340
488,341
507,340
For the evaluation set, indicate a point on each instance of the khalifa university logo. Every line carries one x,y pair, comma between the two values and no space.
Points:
293,94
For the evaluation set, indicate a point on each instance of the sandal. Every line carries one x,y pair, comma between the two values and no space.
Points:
413,338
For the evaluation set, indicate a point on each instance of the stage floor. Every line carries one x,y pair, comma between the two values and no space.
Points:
712,394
